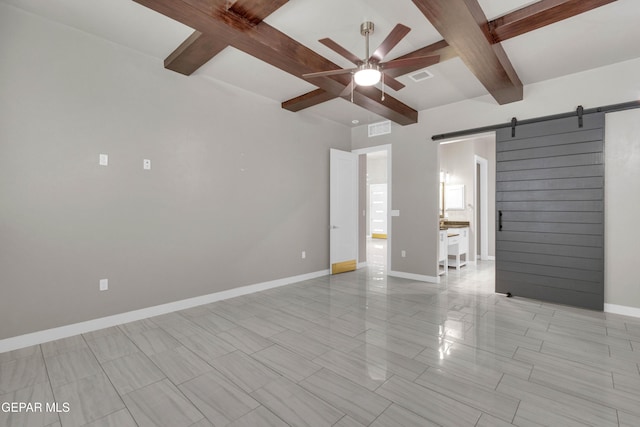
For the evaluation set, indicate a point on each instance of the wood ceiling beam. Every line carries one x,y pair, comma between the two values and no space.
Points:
194,52
538,15
463,25
211,18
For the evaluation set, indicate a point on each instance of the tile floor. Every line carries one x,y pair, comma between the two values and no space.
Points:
357,349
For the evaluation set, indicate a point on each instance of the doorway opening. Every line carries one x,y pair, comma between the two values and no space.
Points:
468,193
375,201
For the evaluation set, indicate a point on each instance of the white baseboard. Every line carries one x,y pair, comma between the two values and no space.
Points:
362,265
66,331
622,309
491,258
412,276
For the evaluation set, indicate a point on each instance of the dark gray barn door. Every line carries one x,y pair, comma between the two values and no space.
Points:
550,211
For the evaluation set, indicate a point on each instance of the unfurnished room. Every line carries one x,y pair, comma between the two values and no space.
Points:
319,213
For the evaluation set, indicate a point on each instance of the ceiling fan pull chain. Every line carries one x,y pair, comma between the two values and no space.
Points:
352,86
382,99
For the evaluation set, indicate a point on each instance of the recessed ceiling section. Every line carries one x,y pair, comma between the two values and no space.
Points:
344,112
239,69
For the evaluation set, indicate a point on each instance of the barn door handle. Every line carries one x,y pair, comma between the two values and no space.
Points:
499,220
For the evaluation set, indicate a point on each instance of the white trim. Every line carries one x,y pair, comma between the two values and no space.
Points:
622,309
66,331
491,258
484,205
362,265
412,276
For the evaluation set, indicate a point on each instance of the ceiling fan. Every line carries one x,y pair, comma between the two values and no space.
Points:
371,70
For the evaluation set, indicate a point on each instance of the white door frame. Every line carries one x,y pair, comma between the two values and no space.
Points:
387,148
484,202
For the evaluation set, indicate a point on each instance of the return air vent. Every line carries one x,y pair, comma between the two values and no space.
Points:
420,76
380,128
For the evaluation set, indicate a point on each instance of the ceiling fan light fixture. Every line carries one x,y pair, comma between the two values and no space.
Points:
367,75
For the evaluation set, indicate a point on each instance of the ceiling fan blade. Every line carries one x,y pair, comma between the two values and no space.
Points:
329,73
391,82
400,67
340,50
419,61
394,37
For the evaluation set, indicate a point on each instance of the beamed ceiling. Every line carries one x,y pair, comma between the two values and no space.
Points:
478,47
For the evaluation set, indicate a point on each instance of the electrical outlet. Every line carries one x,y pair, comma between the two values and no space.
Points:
146,164
304,254
104,284
403,254
104,160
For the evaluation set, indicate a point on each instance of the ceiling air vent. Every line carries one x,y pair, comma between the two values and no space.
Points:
420,76
380,128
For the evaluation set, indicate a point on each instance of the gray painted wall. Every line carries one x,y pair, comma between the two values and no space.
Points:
238,186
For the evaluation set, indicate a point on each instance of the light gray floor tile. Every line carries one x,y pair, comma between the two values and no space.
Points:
244,371
286,362
333,339
112,346
381,339
569,367
154,341
352,367
403,366
120,418
552,402
260,326
64,345
354,400
72,366
36,394
487,420
137,327
397,416
176,325
599,359
295,405
300,343
161,405
595,388
89,399
102,333
260,416
180,364
206,345
213,323
21,373
244,339
217,398
628,420
132,372
20,353
427,403
485,399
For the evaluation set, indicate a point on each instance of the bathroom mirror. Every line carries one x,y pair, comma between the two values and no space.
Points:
454,197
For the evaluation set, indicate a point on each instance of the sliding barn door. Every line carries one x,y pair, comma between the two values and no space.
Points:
550,211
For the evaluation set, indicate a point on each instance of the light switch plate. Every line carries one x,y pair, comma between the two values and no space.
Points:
104,284
395,212
104,159
146,164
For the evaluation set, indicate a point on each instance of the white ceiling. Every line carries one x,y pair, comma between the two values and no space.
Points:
593,39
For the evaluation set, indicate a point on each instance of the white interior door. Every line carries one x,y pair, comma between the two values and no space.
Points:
343,211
